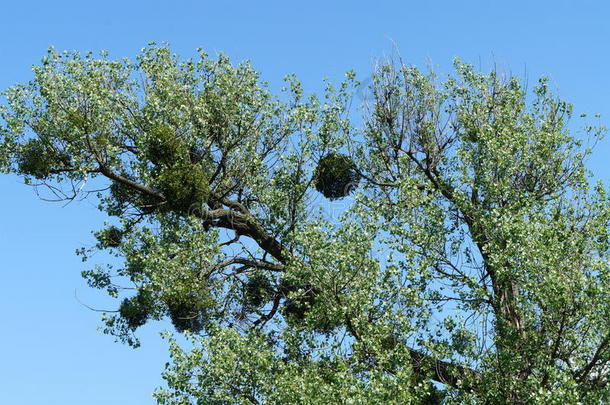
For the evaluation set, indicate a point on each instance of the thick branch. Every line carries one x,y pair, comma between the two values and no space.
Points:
241,222
454,375
248,263
128,182
583,374
245,224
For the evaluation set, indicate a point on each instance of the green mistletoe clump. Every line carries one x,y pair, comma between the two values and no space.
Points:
336,176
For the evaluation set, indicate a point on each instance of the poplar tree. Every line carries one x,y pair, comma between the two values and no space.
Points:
450,249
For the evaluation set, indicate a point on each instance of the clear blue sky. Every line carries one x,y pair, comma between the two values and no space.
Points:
50,351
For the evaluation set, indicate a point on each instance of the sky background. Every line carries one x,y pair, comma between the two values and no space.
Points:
50,350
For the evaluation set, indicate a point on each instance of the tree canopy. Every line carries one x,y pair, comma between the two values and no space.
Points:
464,259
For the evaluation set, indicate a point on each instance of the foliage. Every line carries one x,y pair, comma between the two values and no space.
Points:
470,266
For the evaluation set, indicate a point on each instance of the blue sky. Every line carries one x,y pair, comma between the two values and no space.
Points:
50,351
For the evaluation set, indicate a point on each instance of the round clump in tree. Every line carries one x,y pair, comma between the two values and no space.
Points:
257,290
188,312
110,237
336,176
37,160
296,307
164,147
184,187
304,309
136,310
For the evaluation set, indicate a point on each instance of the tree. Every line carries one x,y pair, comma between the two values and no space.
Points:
468,263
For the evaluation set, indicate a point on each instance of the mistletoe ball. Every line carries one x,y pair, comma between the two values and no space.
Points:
336,176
